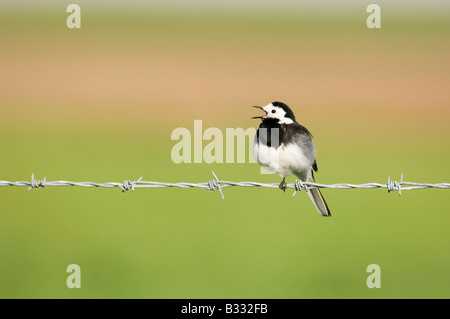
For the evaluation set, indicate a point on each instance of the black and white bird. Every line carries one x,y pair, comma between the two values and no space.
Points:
285,147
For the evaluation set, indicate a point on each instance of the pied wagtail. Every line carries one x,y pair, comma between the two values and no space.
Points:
285,147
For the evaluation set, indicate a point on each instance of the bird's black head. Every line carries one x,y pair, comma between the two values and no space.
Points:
277,111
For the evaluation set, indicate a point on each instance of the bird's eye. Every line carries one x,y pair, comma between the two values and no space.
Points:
274,111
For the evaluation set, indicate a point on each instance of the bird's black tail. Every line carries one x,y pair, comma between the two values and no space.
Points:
317,199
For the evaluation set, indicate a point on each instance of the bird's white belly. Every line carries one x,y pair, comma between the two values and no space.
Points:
283,160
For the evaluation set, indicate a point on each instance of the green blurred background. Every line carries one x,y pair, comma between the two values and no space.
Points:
99,104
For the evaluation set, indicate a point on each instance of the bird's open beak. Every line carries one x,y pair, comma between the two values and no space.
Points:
259,117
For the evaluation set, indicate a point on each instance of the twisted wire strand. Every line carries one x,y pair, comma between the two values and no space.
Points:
217,184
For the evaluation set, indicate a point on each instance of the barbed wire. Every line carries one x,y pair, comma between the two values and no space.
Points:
217,184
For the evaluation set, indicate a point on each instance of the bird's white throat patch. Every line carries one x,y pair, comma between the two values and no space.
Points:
286,120
275,112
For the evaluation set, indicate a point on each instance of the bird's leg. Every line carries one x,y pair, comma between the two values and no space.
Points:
283,185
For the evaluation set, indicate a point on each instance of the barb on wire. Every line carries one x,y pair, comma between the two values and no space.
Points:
35,183
298,186
393,185
217,184
127,185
